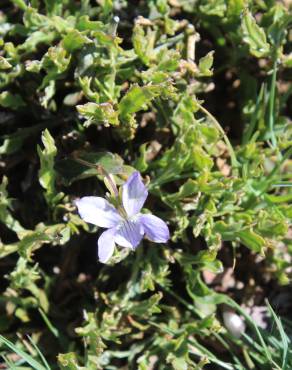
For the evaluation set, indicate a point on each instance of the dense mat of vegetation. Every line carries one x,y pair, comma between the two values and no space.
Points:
193,94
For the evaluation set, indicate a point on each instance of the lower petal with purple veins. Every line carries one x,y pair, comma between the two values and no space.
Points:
129,234
106,245
155,228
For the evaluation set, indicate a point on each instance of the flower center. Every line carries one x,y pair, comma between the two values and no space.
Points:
127,220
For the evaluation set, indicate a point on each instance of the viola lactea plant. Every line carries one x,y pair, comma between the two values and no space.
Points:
126,225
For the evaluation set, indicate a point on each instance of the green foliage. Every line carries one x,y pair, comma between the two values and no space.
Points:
83,95
47,174
254,36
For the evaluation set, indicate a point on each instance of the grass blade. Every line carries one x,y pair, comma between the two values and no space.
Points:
31,361
284,338
42,357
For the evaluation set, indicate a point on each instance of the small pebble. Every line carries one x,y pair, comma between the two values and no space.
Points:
233,323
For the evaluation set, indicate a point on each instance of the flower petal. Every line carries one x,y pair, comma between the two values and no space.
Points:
106,245
155,228
129,234
98,211
134,194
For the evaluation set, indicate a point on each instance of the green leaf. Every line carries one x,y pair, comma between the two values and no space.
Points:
141,162
21,4
38,37
49,92
11,145
70,170
144,43
31,240
213,7
205,65
85,24
54,7
15,141
190,187
33,20
279,198
4,64
251,240
204,260
25,277
9,100
61,24
5,215
103,113
107,7
147,307
56,60
228,232
7,249
47,175
74,40
85,83
200,159
234,9
68,361
137,98
254,36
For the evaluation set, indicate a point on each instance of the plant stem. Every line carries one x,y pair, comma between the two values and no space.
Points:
102,171
283,159
181,300
234,161
251,128
271,120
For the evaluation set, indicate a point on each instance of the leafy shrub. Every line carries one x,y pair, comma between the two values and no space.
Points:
84,93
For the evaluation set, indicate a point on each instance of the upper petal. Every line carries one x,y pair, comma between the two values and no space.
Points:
129,234
134,194
155,228
98,211
106,245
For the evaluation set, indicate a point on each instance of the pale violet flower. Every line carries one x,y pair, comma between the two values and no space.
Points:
126,226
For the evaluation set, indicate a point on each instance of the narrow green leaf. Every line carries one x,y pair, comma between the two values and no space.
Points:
285,339
21,4
42,357
31,361
251,240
